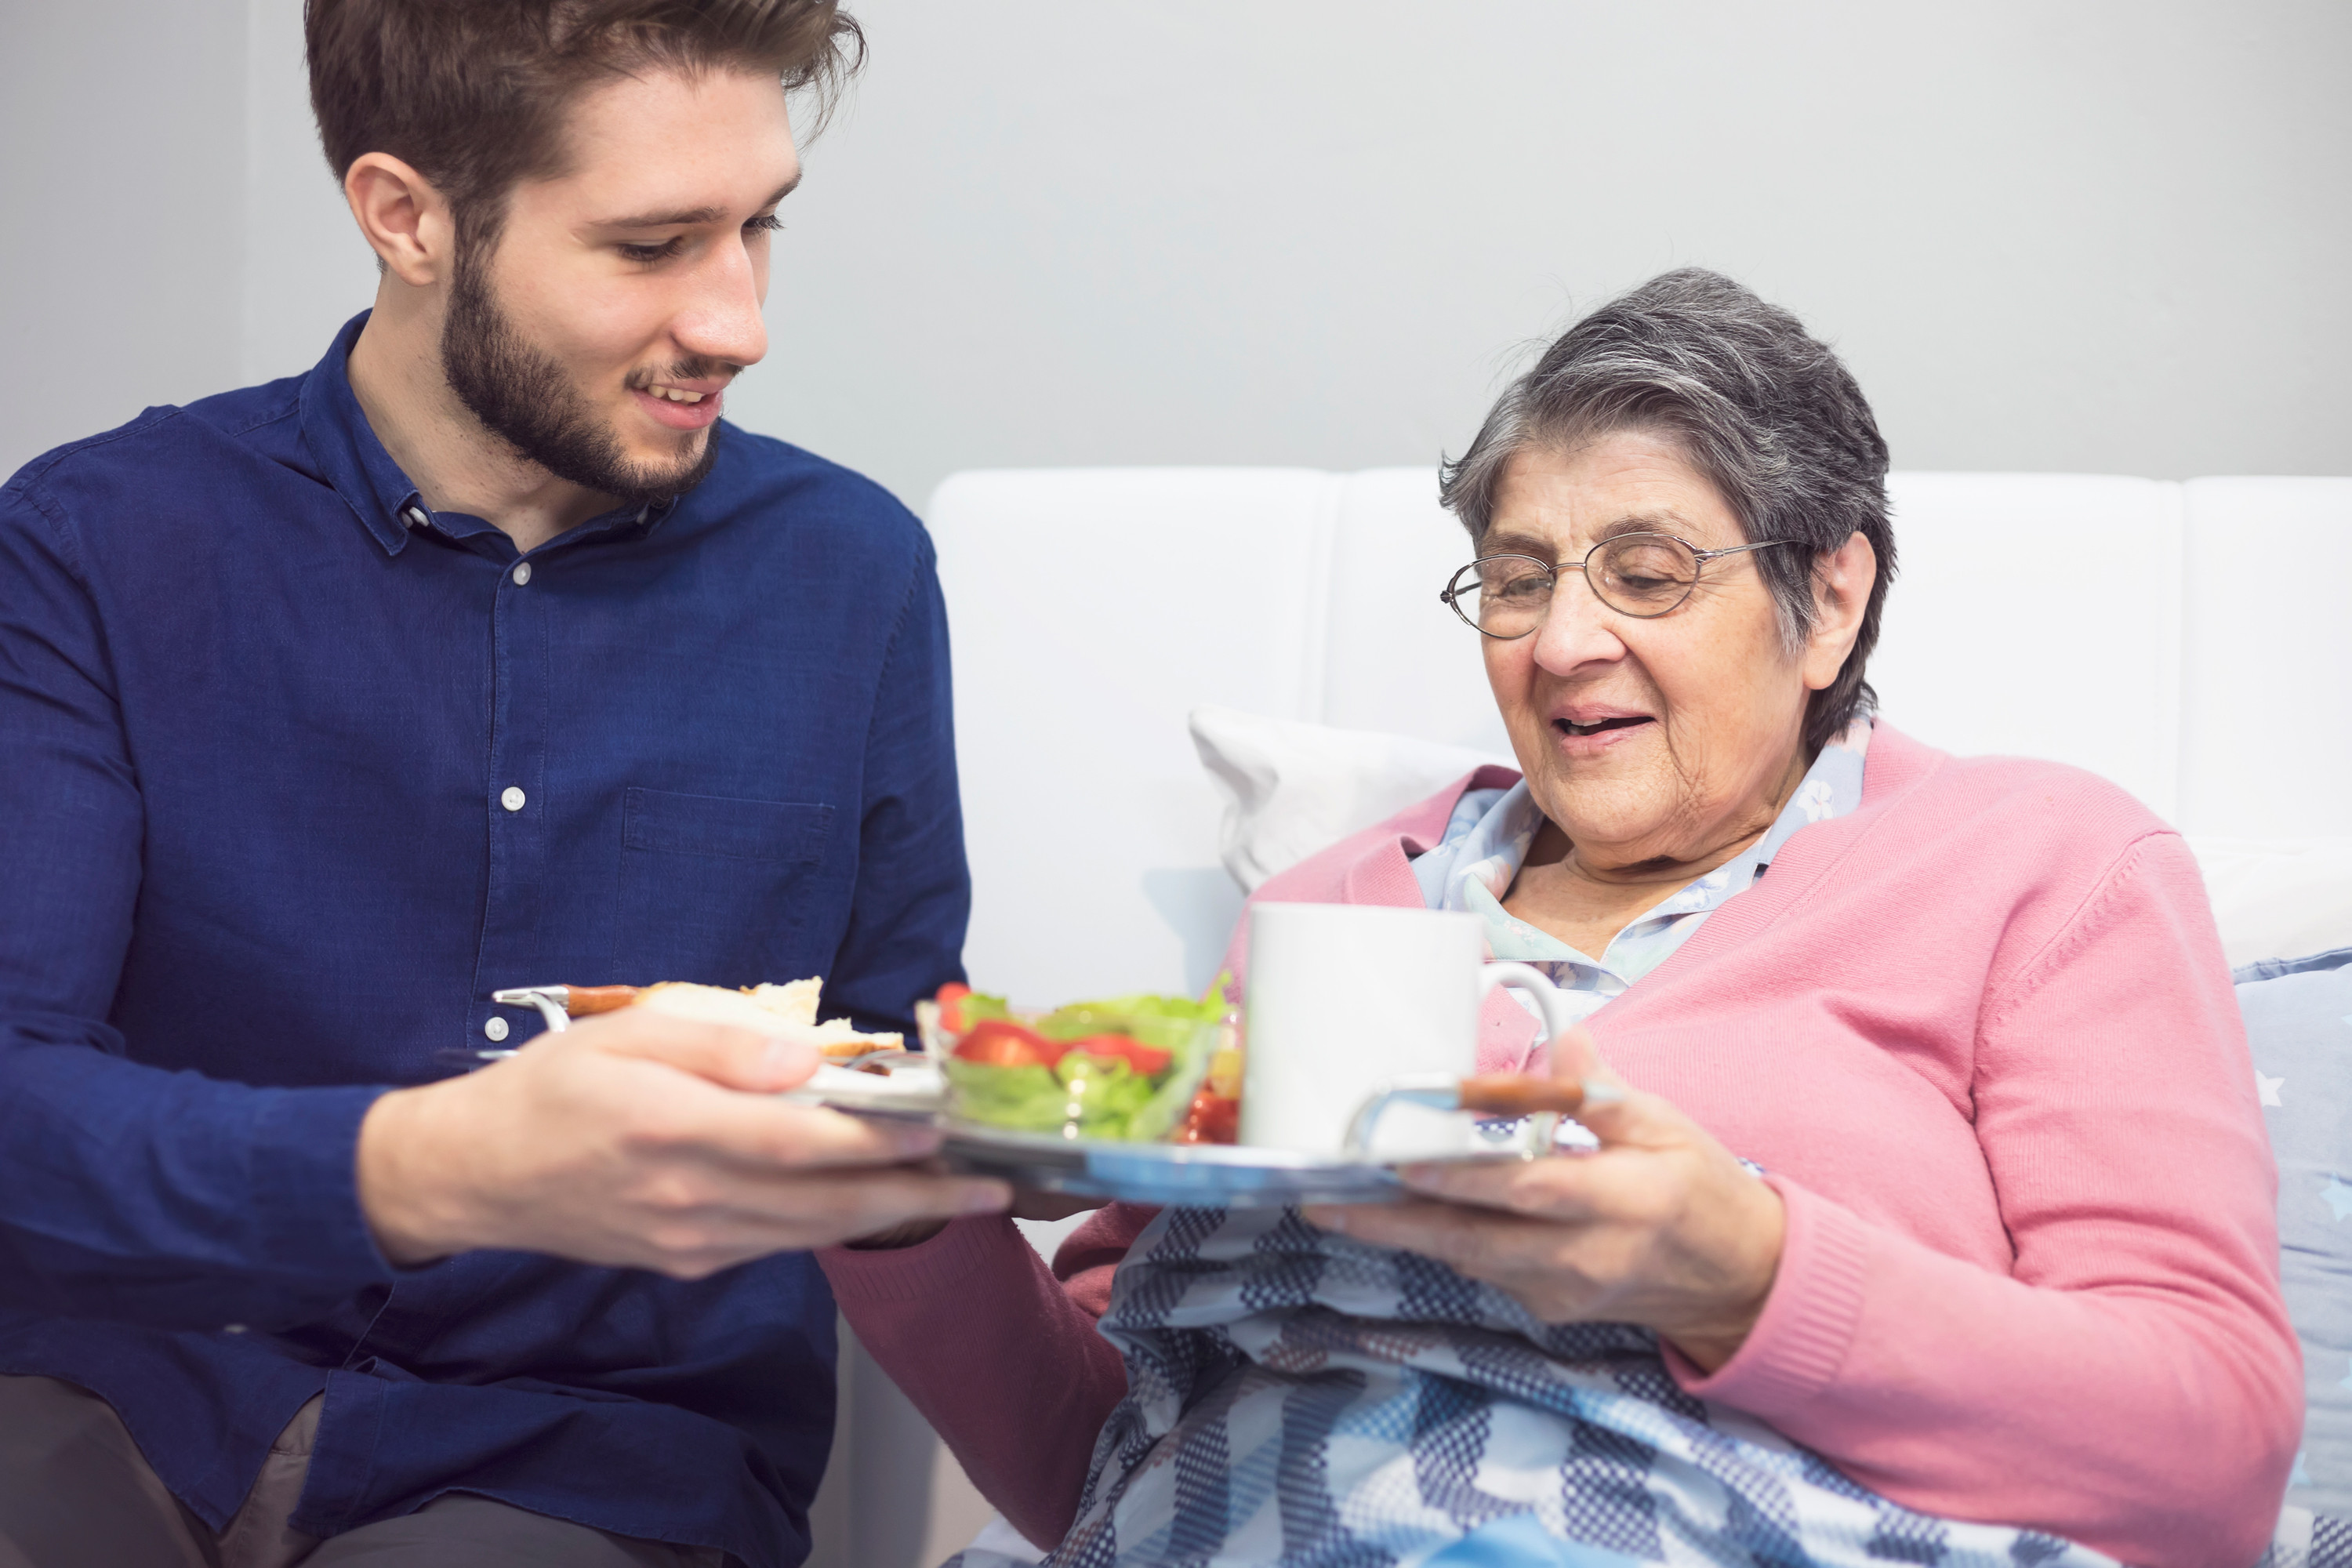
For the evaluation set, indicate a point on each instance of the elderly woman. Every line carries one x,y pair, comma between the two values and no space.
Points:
1934,1221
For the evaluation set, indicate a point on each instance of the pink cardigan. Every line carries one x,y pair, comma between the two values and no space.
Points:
1980,1033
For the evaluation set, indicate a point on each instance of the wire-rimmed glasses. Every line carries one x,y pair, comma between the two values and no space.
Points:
1640,575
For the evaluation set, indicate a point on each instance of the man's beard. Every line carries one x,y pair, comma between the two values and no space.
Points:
523,396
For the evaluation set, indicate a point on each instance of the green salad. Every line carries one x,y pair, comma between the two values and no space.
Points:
1124,1069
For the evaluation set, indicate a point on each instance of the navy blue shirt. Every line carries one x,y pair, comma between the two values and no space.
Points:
293,774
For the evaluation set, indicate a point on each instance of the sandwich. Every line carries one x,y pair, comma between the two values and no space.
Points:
787,1012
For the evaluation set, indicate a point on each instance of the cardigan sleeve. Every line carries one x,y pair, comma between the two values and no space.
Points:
2133,1382
998,1352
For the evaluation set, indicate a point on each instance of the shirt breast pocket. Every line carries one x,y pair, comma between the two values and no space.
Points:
711,889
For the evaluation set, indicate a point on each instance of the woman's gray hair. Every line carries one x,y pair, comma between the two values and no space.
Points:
1760,406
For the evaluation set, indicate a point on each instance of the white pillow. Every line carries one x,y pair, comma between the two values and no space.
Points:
1291,789
2280,897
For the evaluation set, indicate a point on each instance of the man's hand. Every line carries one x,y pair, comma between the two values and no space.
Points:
644,1141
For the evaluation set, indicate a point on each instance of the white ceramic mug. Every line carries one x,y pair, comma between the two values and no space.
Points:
1345,998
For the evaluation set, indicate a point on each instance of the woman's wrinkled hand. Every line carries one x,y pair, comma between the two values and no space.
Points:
1660,1227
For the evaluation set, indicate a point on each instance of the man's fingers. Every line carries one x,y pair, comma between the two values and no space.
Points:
732,1058
764,1131
750,1216
845,1204
760,1216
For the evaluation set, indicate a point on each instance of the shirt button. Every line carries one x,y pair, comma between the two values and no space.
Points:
521,574
416,518
511,799
496,1029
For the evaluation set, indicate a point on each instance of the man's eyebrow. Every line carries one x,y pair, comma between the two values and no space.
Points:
688,217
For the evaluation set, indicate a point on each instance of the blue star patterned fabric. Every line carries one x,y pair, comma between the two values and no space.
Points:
1296,1397
2298,1014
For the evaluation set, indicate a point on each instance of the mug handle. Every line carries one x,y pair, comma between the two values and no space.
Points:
1532,981
1443,1093
1542,1126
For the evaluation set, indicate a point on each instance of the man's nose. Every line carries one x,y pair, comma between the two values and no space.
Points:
720,318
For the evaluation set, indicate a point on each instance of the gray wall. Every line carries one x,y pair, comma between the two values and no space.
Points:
2104,236
122,197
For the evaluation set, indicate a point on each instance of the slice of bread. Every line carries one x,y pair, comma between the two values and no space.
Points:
788,1012
795,1000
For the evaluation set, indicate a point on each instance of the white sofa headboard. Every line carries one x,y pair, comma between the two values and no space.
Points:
2189,641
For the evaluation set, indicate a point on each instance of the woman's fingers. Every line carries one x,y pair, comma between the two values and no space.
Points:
1555,1269
1576,1059
1574,1056
1433,1230
1658,1227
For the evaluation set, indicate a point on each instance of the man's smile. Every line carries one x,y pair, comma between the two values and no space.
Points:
682,404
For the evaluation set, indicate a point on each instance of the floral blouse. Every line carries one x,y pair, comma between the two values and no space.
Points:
1486,841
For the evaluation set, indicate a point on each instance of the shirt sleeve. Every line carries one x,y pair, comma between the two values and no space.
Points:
126,1191
2133,1382
999,1352
905,934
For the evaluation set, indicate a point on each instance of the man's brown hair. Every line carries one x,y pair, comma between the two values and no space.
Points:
472,93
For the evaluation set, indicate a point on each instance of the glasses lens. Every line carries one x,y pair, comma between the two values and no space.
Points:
1643,573
1504,595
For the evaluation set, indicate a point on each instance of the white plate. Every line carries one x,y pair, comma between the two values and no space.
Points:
1203,1175
914,1089
1206,1175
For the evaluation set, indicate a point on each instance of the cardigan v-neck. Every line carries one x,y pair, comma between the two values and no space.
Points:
1981,1036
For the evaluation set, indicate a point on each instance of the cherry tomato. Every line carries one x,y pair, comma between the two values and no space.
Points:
998,1043
1145,1060
1213,1118
951,1001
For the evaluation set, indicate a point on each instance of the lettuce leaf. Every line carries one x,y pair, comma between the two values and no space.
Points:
1087,1096
1102,1097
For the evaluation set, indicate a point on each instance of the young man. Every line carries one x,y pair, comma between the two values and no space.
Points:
481,656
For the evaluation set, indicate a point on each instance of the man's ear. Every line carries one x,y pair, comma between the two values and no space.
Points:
1841,584
403,219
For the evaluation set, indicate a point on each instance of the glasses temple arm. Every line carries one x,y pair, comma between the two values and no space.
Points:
1742,549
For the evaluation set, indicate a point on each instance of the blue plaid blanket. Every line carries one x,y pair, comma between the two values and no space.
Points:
1297,1399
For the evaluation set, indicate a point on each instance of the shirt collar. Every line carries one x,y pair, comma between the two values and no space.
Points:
355,464
1487,841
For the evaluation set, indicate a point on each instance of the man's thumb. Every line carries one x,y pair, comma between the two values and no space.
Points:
728,1056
